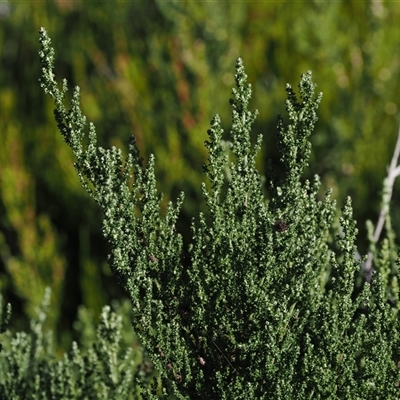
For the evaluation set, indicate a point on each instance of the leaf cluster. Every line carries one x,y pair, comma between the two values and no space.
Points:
103,366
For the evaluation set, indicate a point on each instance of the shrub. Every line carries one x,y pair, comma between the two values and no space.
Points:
104,366
263,303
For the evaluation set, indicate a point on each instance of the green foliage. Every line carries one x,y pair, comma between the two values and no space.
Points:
37,263
104,366
162,88
262,304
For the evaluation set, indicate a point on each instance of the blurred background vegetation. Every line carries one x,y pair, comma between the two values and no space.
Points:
159,70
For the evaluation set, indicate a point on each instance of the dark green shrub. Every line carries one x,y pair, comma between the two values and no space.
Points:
263,302
103,366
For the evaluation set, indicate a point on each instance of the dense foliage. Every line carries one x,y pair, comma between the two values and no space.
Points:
101,366
151,68
262,304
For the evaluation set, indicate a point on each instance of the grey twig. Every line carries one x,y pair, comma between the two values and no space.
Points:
393,173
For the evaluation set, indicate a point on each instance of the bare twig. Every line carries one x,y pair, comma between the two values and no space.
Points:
215,344
393,173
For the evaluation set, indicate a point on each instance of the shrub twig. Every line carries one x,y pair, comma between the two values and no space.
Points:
393,172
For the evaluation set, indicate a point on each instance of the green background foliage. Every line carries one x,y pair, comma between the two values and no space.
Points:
150,69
